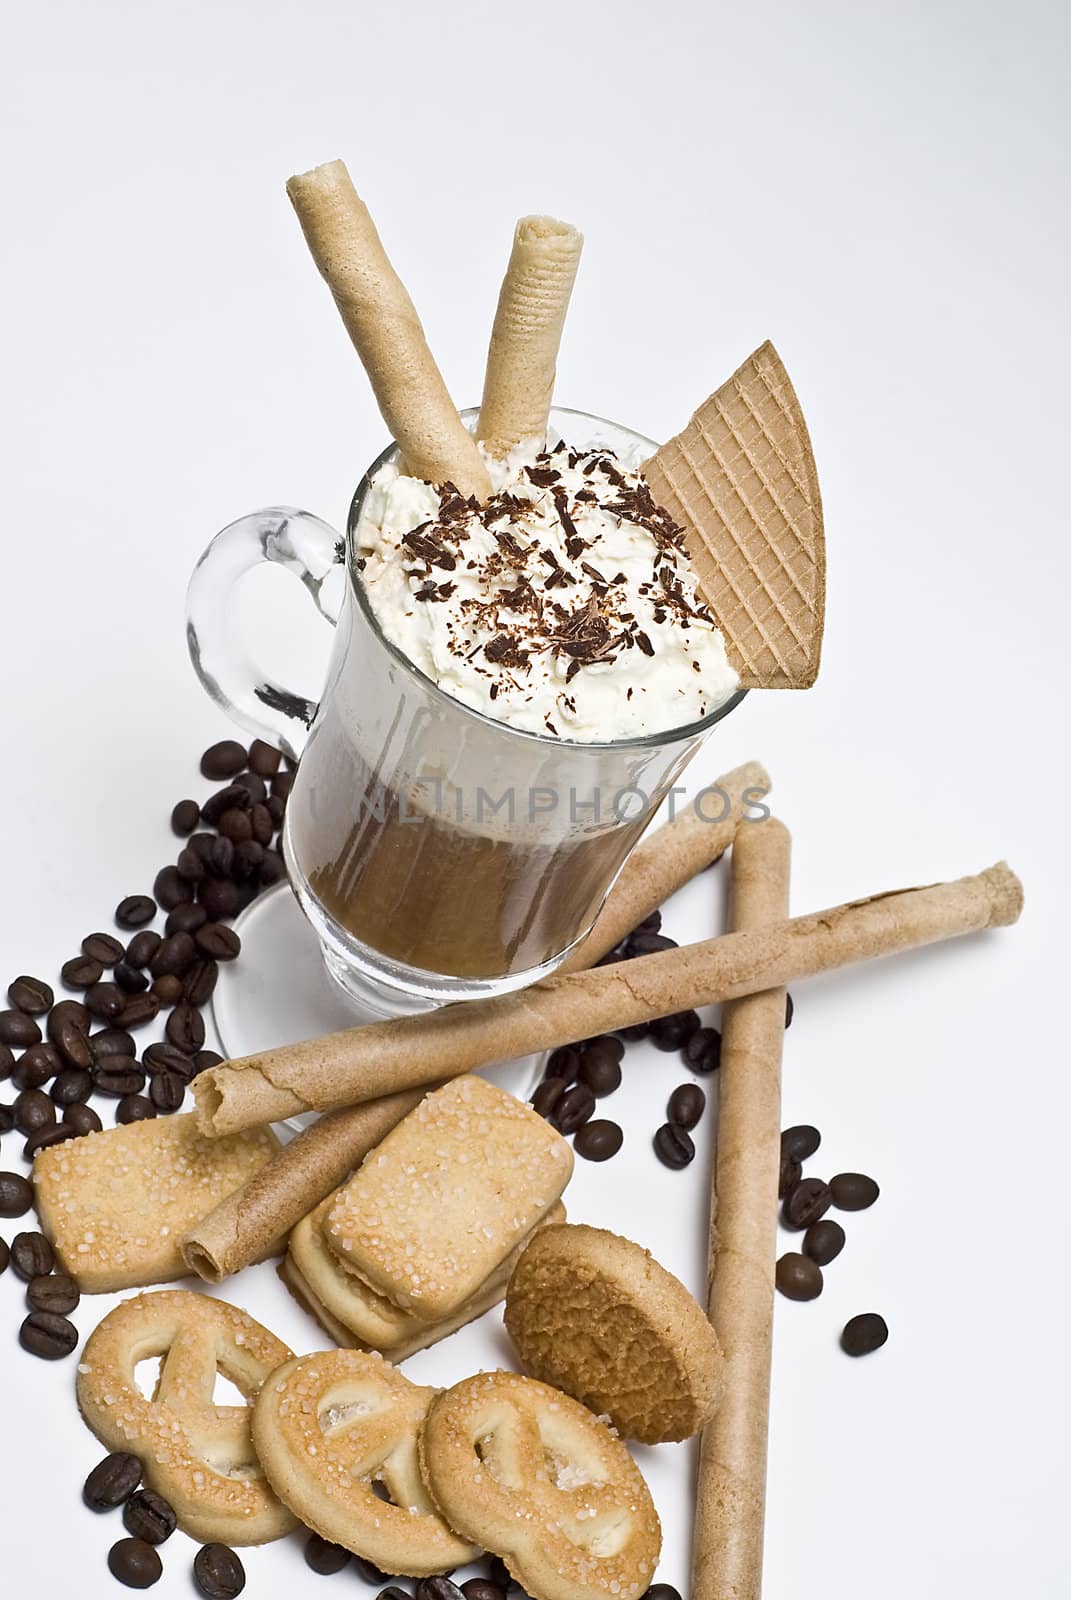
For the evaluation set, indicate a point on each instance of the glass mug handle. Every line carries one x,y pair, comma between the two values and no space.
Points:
303,545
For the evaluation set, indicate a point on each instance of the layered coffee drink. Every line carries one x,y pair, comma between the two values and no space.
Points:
510,696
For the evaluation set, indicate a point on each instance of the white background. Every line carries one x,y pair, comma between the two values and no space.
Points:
879,188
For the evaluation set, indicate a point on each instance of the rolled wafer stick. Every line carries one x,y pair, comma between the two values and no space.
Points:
382,322
359,1063
731,1496
527,332
250,1222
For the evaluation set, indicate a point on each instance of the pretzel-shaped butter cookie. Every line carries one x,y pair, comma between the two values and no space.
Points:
535,1478
333,1427
196,1454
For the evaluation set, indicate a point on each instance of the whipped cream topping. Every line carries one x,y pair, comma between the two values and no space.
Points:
566,605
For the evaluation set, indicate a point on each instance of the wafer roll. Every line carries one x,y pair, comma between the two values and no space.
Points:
731,1497
359,1063
255,1220
521,362
382,322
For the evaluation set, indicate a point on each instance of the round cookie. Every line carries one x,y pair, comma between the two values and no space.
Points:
595,1315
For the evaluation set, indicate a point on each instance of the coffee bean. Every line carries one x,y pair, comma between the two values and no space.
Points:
16,1196
673,1146
105,1000
72,1042
368,1569
18,1030
809,1200
576,1106
223,760
248,857
45,1138
482,1589
853,1191
199,983
7,1061
31,1256
220,898
702,1052
202,843
50,1337
233,797
129,978
648,944
135,911
261,824
218,1573
686,1105
134,1108
600,1065
72,1084
164,1057
168,989
205,1059
282,783
186,1029
272,869
275,806
823,1241
650,924
638,1030
139,1009
264,759
789,1176
864,1334
563,1063
798,1277
393,1592
185,817
190,865
135,1563
167,1091
800,1142
186,918
235,825
7,1118
598,1140
217,942
36,1066
148,1516
31,995
102,947
220,859
33,1109
789,1010
112,1481
112,1042
81,1120
500,1573
142,947
672,1032
547,1095
666,1591
324,1557
437,1589
118,1081
173,956
53,1292
5,1256
169,889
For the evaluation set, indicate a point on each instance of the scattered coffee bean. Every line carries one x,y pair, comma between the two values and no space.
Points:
7,1118
282,783
186,918
50,1337
220,859
809,1200
190,865
261,824
31,995
142,947
36,1066
202,843
789,1176
186,1029
598,1140
130,979
199,984
800,1142
393,1592
648,944
369,1571
112,1042
112,1481
169,889
167,1091
234,796
165,1058
44,1138
264,759
686,1106
481,1589
139,1009
823,1241
673,1146
864,1334
7,1061
31,1256
135,1563
702,1052
272,869
217,942
185,817
652,923
574,1108
81,1120
33,1109
789,1011
235,825
324,1557
547,1096
134,1108
223,760
665,1591
80,971
500,1574
105,1000
16,1196
168,989
276,809
18,1030
638,1030
148,1516
173,956
798,1277
72,1042
53,1292
247,860
135,911
564,1063
205,1059
437,1589
674,1031
102,947
220,897
72,1084
5,1256
853,1191
600,1065
218,1573
118,1081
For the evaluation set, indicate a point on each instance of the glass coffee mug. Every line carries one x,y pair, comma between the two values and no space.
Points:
438,854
